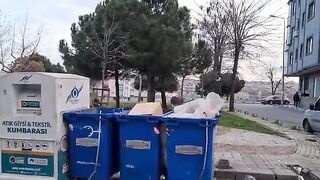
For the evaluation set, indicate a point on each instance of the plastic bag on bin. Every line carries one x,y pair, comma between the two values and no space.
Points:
200,108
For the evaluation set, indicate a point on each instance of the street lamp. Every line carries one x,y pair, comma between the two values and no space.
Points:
283,54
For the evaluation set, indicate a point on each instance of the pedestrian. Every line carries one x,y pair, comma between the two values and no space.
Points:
296,99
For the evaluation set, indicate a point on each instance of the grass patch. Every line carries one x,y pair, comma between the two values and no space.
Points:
233,121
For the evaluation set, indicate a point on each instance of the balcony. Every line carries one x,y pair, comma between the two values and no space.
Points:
289,21
289,41
295,34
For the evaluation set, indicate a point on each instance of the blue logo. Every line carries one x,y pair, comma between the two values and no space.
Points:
74,94
25,78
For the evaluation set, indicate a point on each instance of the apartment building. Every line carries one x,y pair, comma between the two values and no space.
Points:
303,47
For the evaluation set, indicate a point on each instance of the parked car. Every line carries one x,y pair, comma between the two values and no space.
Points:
311,121
274,100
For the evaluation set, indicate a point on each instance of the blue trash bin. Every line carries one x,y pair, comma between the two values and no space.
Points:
92,152
139,147
190,148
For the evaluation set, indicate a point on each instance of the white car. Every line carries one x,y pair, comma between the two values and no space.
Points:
311,121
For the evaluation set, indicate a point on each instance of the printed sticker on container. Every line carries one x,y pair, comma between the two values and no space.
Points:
189,150
87,142
138,144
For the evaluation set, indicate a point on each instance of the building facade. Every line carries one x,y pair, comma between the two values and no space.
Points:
303,47
126,90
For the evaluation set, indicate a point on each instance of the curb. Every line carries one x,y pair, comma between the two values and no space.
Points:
260,174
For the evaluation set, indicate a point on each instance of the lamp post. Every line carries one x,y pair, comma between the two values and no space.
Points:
283,54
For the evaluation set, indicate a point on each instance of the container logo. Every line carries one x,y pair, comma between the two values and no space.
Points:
89,128
38,161
25,78
16,160
74,94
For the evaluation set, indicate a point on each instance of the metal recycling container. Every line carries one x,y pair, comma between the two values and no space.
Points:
190,147
140,149
93,145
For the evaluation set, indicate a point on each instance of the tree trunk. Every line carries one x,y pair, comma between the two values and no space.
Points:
182,84
150,87
202,91
116,77
220,63
140,87
234,75
163,95
102,81
272,88
217,58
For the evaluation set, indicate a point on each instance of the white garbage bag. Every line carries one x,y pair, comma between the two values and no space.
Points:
200,108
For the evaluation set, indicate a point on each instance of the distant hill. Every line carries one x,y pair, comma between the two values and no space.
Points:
255,89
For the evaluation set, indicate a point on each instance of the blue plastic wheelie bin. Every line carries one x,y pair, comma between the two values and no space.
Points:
190,147
93,145
139,147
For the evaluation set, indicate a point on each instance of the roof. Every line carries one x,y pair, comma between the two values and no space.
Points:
54,75
64,75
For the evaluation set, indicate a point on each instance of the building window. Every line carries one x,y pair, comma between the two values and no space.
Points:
291,58
303,21
293,8
292,33
301,51
311,10
309,46
296,55
298,25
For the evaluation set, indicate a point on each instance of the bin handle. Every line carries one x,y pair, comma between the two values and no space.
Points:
153,119
122,118
171,121
203,123
106,116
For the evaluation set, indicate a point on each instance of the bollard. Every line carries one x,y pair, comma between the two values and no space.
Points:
278,122
295,128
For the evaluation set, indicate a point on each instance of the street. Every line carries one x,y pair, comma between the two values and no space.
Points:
273,112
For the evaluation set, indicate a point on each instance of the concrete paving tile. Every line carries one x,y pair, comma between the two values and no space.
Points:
225,174
285,174
260,174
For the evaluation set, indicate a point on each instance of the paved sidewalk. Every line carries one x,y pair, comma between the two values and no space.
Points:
270,155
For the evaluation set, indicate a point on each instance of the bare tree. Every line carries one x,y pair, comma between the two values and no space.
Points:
245,29
272,73
213,25
24,43
4,39
108,47
27,64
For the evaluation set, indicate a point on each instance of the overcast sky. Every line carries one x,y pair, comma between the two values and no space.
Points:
56,17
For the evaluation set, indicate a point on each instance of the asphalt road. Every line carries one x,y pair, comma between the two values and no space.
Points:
274,112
